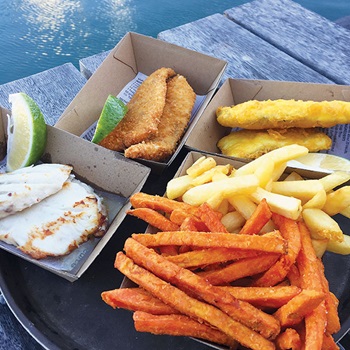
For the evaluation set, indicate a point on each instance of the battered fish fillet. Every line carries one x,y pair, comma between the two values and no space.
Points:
144,111
179,103
252,144
273,114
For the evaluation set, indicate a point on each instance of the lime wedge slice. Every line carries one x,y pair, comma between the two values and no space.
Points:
26,132
112,113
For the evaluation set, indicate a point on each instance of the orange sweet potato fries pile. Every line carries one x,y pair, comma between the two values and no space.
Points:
259,291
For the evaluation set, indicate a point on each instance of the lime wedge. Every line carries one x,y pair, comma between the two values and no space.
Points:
26,132
112,113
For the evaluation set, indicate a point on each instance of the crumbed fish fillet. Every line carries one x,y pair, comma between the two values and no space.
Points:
24,187
58,224
179,103
273,114
144,111
252,144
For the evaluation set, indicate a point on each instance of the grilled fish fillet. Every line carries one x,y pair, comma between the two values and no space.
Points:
58,224
252,144
144,111
179,103
272,114
24,187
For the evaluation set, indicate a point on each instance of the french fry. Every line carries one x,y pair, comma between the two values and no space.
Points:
334,180
276,174
243,204
288,340
289,207
211,218
320,246
280,155
264,297
317,201
154,218
233,221
201,165
143,200
293,176
185,279
239,269
268,243
337,201
265,173
177,186
303,189
346,212
321,225
190,306
342,248
298,307
258,219
180,325
136,299
329,343
207,176
198,258
230,187
290,232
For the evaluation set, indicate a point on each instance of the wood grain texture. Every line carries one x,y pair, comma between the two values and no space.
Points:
248,56
303,34
52,90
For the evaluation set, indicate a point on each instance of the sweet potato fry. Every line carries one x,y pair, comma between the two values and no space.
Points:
154,218
198,258
169,250
329,343
294,276
136,299
270,242
288,340
180,325
258,220
290,231
192,223
211,218
143,200
178,216
297,308
189,306
264,297
239,269
202,289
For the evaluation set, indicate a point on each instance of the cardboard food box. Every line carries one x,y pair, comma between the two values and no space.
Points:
112,176
135,54
330,260
208,131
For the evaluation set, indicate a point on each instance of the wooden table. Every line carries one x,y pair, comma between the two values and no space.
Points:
263,39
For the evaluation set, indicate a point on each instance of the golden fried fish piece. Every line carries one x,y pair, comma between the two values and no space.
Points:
252,144
273,114
179,103
144,111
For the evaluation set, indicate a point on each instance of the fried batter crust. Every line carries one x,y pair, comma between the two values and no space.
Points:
144,111
283,114
180,99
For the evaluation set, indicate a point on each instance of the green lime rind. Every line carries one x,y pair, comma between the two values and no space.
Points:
112,113
27,132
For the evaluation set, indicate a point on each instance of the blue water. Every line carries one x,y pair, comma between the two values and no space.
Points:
40,34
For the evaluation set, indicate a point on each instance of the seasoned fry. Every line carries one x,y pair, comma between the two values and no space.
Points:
192,223
297,308
143,200
198,258
188,281
136,299
258,220
190,306
154,218
290,232
288,340
269,242
239,269
179,325
329,343
281,114
264,297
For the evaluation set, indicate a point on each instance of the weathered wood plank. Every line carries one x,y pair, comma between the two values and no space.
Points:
52,90
88,65
248,56
303,34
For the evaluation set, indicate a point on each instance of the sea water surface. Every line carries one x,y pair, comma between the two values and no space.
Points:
36,35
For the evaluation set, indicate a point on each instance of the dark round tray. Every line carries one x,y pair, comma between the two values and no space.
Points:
64,315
